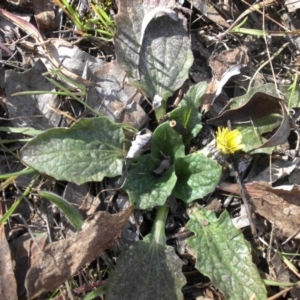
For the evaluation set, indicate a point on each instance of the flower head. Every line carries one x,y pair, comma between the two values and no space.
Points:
229,141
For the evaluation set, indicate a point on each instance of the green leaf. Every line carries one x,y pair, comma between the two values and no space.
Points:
149,269
145,189
291,97
144,274
25,171
23,130
11,210
268,88
187,114
88,151
100,291
252,133
223,255
166,140
197,176
69,211
154,49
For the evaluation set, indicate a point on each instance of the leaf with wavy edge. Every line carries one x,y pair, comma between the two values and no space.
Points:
88,151
224,256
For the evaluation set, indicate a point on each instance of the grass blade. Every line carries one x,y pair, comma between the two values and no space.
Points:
71,213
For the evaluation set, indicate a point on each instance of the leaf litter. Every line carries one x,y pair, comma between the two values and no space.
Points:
102,102
60,260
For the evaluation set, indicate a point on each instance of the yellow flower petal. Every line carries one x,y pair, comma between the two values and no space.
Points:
228,141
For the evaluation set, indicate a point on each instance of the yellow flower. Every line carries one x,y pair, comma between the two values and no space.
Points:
229,141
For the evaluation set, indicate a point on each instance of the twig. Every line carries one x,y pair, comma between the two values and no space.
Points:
69,290
281,293
270,243
244,197
268,52
28,229
179,97
290,237
268,17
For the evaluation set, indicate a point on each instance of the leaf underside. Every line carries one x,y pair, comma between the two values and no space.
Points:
147,271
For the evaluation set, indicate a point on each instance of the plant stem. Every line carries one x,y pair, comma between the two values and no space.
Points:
161,111
4,218
158,229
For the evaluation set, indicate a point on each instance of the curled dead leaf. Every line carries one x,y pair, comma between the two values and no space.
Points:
259,106
26,26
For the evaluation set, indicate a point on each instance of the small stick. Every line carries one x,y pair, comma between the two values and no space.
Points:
28,229
281,293
178,98
268,51
244,197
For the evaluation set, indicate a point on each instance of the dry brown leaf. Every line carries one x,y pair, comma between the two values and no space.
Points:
224,65
36,112
46,48
79,195
278,169
44,14
62,259
116,99
278,269
26,26
280,207
27,254
43,11
8,285
223,61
